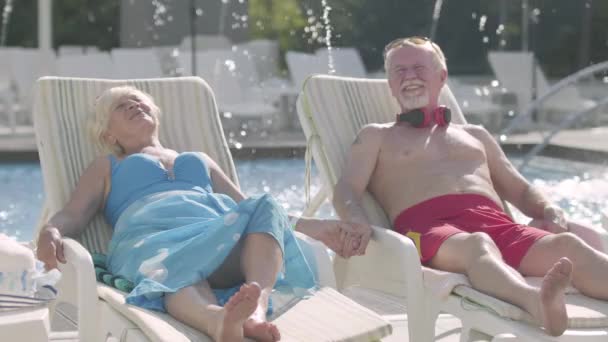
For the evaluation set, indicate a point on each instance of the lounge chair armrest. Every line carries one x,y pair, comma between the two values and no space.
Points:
391,264
79,287
315,251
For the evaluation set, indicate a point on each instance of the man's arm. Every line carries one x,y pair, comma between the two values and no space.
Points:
511,185
356,174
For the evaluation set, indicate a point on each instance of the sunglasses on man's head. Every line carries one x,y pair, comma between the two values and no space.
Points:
418,40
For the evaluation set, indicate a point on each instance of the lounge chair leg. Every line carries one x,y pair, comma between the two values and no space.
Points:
469,335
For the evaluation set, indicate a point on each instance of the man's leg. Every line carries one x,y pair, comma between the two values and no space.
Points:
477,256
590,267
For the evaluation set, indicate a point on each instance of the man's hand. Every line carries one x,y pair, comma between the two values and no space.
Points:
347,239
50,247
344,238
554,220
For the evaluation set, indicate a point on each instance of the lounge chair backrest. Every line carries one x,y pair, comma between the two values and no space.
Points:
27,66
62,106
346,61
136,63
514,71
265,56
302,65
333,109
206,42
98,64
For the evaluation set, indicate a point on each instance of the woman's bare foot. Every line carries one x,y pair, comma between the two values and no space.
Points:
552,297
257,327
238,310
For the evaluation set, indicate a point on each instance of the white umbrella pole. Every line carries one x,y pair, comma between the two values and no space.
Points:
45,25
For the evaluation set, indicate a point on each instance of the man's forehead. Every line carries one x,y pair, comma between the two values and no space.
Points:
410,53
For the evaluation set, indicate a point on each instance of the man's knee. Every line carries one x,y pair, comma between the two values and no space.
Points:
479,243
568,244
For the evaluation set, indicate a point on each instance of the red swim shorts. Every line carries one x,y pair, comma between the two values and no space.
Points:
431,222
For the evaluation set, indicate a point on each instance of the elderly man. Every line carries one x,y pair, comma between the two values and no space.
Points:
441,184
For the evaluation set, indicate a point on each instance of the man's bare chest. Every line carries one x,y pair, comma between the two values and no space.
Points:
423,146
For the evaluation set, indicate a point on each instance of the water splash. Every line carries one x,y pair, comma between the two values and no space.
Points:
6,13
435,19
330,57
160,16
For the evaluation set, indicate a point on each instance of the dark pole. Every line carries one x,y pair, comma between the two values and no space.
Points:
503,21
583,56
193,36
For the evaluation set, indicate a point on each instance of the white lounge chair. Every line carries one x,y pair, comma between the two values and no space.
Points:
245,104
136,63
346,61
390,278
98,64
66,50
475,101
25,66
265,56
191,123
302,65
514,71
206,42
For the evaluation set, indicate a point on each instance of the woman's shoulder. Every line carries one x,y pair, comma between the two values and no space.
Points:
101,164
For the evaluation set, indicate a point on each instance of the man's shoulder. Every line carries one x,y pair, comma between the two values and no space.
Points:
371,134
473,129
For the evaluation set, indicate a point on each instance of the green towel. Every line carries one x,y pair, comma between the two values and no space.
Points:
106,277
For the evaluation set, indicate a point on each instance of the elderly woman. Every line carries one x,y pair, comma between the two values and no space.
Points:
184,234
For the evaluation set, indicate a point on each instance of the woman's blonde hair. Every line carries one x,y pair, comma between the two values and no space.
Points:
104,105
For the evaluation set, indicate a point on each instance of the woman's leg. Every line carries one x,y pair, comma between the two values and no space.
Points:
196,306
261,261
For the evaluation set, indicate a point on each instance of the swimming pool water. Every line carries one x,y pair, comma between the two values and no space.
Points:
581,189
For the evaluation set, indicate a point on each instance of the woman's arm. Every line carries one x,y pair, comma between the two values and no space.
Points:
220,182
86,199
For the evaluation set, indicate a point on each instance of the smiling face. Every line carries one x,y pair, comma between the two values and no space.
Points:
414,76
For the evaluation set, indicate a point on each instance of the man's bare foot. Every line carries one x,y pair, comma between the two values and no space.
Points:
552,297
259,329
238,309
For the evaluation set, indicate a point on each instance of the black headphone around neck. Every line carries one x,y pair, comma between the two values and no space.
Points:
420,118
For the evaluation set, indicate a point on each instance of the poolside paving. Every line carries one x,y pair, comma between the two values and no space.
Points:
588,139
591,139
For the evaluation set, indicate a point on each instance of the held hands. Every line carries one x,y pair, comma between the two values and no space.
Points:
50,247
345,238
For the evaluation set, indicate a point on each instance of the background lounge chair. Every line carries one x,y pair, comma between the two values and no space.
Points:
514,71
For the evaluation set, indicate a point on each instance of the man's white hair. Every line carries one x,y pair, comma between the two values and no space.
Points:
439,57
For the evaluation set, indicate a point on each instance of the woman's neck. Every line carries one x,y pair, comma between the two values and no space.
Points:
142,146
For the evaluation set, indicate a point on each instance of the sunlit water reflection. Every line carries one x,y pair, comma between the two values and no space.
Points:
581,189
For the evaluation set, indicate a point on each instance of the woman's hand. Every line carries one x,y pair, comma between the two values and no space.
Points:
50,247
